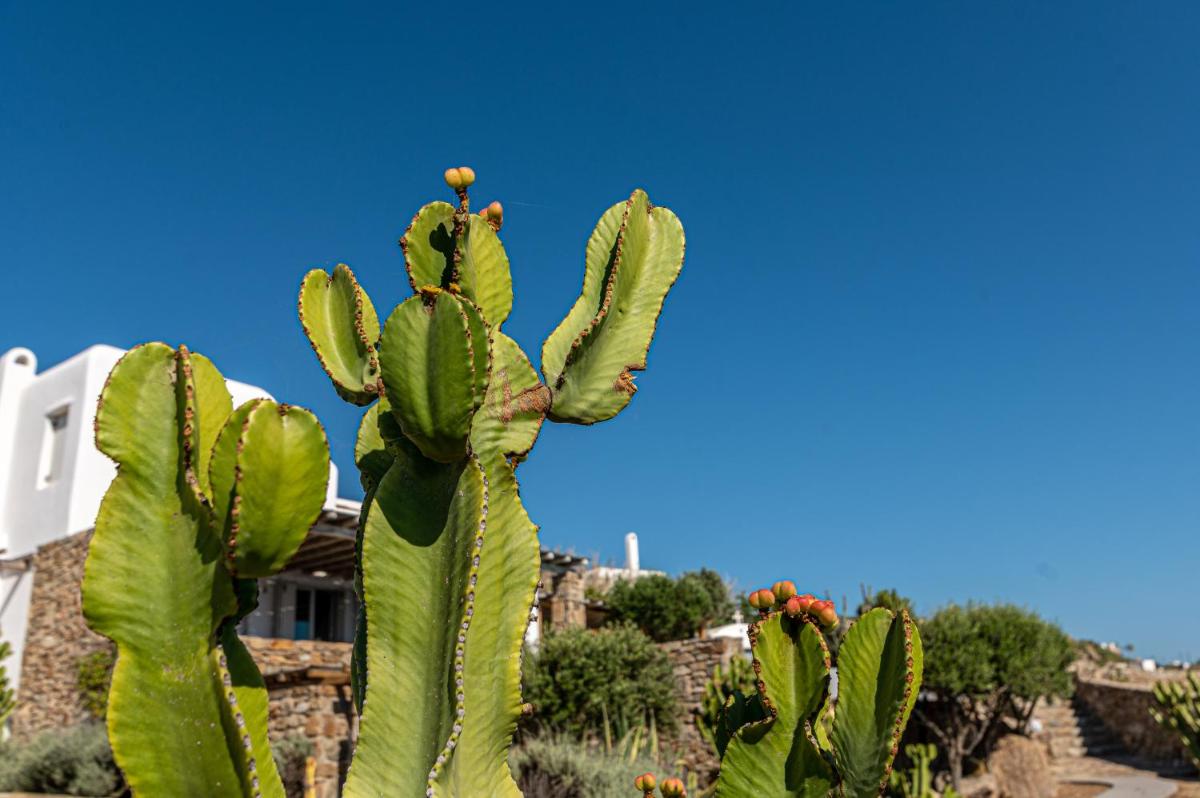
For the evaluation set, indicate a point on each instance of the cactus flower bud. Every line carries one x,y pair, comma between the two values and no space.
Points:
495,214
645,782
783,590
762,599
459,176
824,612
673,788
753,600
793,608
805,601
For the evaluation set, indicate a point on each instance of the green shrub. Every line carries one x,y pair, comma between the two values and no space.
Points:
663,608
8,699
888,599
579,678
290,756
557,766
984,664
93,673
75,761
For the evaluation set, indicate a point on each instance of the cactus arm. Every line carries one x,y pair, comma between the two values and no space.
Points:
515,404
429,364
422,525
343,328
630,266
271,468
777,756
246,715
483,273
879,675
154,582
507,578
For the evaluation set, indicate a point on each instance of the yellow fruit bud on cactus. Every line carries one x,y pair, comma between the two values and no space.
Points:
453,177
467,174
783,590
645,782
673,788
495,213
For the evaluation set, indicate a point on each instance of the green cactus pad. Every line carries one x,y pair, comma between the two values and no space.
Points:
777,756
633,258
430,364
270,469
483,273
507,579
515,406
154,583
879,675
423,521
340,322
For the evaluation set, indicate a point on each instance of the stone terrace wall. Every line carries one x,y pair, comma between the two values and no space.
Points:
1124,709
694,661
58,639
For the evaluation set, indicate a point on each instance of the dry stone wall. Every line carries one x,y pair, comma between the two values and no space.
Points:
1124,709
693,662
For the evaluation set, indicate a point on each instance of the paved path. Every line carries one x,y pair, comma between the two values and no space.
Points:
1130,786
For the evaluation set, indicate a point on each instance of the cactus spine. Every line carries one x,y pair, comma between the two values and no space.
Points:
448,559
205,500
773,743
1179,711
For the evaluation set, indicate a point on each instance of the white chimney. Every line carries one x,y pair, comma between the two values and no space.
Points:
631,553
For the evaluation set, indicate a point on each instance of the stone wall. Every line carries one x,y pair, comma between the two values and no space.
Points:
694,661
58,638
1124,709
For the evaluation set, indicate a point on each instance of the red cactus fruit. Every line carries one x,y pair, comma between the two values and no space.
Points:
805,601
793,608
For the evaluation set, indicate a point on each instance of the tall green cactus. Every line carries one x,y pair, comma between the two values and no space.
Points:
774,743
1178,711
206,499
448,559
916,781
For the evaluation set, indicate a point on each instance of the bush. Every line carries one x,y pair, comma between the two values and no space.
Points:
663,608
93,674
75,761
987,666
578,678
555,766
291,755
718,590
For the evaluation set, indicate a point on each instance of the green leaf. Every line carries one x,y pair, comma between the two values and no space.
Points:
633,258
483,274
416,545
516,403
508,574
273,468
429,367
340,322
777,756
879,667
154,582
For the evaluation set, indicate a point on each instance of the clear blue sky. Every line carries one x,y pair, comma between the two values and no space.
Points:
938,325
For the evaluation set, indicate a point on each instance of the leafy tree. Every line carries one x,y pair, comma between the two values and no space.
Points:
718,590
580,676
887,598
987,667
663,608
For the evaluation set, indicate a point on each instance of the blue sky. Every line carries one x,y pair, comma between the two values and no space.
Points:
937,328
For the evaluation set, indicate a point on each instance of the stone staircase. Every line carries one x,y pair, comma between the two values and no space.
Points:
1071,732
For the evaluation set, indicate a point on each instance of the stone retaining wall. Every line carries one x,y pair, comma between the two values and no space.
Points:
1124,709
694,661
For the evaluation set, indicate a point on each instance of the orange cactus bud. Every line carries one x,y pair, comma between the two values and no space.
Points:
467,174
793,608
824,612
805,601
673,788
645,782
495,214
453,177
783,590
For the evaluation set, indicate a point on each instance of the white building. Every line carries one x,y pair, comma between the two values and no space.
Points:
52,477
